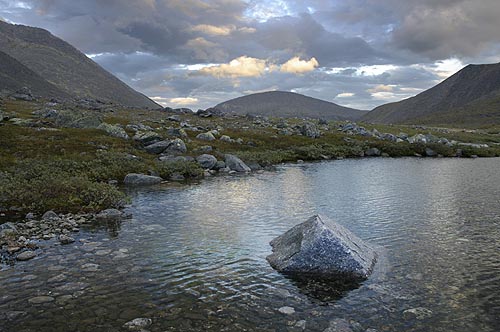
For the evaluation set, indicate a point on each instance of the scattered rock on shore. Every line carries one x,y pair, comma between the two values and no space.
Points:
236,164
207,161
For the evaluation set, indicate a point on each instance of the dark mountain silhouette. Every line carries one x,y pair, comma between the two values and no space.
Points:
64,67
288,104
469,97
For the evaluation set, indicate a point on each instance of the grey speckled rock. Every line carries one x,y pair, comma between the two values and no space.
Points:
50,215
323,248
207,161
138,324
236,164
134,179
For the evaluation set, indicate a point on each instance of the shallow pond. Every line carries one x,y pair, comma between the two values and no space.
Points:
193,258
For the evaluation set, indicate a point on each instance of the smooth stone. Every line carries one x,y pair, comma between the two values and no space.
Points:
41,299
90,267
64,239
50,215
26,255
206,161
287,310
206,136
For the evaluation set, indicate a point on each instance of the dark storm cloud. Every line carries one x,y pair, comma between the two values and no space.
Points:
150,44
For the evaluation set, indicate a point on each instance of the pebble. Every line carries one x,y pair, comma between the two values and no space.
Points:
41,299
26,255
287,310
138,324
418,313
90,267
103,252
58,278
64,239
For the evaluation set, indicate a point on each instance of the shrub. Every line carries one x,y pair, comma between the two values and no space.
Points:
187,168
43,188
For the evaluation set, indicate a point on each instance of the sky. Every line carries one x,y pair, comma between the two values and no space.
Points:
198,53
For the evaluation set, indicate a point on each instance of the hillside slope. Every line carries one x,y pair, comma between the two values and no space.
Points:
288,104
471,96
65,67
14,76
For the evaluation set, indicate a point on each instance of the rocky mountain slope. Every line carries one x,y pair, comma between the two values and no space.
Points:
64,67
288,104
469,97
14,76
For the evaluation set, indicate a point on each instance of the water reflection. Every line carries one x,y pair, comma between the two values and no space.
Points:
193,257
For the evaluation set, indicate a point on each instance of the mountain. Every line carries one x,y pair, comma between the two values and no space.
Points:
288,105
64,67
469,97
14,76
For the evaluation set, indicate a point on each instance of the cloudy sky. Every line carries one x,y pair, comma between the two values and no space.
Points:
197,53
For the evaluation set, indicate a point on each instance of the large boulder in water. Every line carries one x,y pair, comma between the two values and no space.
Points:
322,248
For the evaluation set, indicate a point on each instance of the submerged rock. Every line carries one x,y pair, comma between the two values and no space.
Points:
322,248
64,239
138,324
26,255
109,215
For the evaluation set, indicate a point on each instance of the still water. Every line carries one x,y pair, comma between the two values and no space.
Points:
193,257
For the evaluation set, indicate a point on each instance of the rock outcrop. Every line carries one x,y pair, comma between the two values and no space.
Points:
322,248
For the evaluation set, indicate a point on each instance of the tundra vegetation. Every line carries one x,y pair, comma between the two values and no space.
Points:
74,157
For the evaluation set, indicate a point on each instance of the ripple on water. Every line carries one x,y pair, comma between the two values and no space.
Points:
193,258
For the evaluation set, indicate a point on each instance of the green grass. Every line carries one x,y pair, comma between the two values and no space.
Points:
68,170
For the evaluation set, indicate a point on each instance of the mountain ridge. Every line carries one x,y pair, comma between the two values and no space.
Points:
288,104
472,95
65,67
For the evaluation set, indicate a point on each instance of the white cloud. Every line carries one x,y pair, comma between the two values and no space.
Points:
345,95
183,101
297,66
444,68
214,30
243,66
374,70
381,88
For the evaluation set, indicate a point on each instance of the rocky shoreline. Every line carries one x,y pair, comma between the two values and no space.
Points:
21,241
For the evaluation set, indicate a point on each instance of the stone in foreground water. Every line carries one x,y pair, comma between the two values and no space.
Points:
322,248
